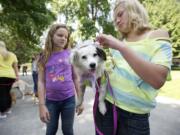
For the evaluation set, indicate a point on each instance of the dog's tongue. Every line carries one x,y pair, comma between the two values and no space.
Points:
92,71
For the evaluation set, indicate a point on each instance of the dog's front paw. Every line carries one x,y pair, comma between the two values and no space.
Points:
102,107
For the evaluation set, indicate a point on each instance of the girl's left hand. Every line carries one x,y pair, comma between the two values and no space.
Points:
17,78
79,109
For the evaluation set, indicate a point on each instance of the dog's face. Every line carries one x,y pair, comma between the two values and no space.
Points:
88,58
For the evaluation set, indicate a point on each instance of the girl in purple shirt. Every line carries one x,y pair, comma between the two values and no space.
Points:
57,82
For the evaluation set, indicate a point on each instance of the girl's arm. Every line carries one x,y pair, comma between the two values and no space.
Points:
76,79
151,73
44,113
41,87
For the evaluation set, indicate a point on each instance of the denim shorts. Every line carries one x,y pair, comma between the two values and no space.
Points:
127,123
64,109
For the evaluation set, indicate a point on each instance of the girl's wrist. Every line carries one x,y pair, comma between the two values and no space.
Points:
121,46
41,104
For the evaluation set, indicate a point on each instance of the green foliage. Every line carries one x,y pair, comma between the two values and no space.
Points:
87,27
23,22
166,14
171,88
92,15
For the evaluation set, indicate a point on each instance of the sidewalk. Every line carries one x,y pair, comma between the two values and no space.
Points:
24,120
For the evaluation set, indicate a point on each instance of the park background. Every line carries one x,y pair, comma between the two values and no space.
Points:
24,24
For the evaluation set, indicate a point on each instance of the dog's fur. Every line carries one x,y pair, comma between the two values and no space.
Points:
88,59
22,86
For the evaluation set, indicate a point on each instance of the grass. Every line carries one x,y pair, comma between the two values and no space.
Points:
171,88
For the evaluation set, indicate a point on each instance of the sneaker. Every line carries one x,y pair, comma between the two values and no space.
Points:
9,112
36,101
3,116
33,97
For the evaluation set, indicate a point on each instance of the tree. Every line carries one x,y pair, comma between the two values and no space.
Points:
166,14
91,16
24,22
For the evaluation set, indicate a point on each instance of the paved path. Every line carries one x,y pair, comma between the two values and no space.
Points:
24,120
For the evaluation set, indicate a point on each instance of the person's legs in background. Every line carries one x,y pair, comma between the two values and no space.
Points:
35,81
2,101
5,97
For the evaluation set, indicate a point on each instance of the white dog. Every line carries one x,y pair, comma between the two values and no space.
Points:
22,86
88,59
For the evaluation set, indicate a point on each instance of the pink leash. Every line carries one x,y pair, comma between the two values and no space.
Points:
96,105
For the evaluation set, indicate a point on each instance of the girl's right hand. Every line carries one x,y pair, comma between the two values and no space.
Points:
109,41
79,109
44,113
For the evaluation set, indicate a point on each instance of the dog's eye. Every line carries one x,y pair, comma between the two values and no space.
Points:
95,54
84,57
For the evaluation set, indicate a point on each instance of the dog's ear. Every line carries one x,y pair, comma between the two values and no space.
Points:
74,56
101,53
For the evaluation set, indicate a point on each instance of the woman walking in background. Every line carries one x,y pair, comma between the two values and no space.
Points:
35,76
8,74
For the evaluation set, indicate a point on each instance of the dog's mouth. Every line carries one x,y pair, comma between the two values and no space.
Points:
92,70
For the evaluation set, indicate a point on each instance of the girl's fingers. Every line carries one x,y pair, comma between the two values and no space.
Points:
43,119
48,116
79,110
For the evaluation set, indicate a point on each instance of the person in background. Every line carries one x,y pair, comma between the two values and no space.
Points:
24,70
35,75
8,75
141,61
57,82
19,67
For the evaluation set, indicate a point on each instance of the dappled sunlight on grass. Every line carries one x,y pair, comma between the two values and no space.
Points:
171,88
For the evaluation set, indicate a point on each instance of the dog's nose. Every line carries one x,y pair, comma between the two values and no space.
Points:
92,65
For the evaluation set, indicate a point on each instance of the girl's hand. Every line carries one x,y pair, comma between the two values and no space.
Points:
109,41
17,78
79,109
44,113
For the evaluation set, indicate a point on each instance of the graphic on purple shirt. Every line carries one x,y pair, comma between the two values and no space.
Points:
59,82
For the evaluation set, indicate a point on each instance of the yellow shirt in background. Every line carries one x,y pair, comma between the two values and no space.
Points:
6,68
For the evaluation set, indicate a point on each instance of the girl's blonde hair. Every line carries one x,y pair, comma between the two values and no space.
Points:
49,44
137,15
3,51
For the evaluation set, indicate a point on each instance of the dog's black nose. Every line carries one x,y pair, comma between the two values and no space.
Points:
92,65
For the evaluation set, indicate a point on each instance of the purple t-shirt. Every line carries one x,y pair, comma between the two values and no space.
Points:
59,82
